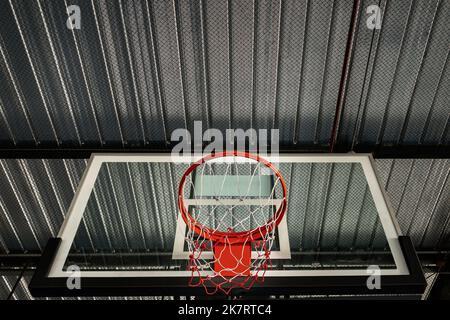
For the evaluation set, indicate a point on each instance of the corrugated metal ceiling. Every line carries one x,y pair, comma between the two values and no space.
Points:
399,84
137,70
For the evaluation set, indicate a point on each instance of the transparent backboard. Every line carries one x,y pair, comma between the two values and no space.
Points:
124,220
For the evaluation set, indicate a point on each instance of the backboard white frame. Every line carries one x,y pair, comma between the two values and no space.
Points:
75,213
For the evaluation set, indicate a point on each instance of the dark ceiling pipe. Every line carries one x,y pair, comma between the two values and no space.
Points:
345,73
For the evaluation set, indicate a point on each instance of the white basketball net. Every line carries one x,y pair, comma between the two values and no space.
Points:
235,195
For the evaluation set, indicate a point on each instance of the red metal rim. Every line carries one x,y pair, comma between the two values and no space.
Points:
231,237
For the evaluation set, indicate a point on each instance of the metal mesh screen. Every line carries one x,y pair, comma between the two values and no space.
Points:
138,70
397,92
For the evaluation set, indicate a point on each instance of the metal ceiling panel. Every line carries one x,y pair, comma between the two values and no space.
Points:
137,70
398,90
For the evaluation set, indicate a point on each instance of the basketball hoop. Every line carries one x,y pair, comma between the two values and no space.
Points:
231,205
